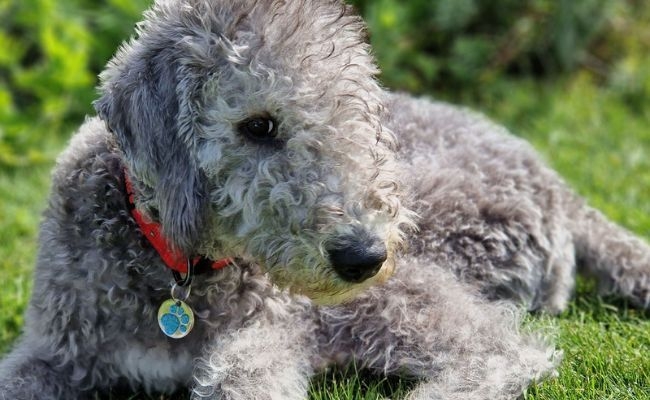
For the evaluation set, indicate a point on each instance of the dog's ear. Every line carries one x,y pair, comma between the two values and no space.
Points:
146,101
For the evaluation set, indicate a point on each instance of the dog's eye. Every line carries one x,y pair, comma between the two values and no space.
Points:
259,128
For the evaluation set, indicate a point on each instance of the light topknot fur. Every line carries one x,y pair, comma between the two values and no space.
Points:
365,227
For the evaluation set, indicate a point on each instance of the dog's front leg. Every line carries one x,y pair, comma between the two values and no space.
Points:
25,375
272,358
425,325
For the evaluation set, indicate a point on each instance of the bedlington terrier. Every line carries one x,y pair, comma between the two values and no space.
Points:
249,207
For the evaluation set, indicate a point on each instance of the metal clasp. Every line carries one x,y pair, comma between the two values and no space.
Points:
186,280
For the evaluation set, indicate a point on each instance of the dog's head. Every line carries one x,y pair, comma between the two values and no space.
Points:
252,129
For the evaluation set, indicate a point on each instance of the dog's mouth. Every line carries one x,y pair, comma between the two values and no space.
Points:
340,268
351,291
325,287
328,268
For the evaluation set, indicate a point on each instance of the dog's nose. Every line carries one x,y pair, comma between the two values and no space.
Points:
357,258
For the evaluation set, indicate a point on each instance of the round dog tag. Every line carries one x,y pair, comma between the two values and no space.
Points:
176,319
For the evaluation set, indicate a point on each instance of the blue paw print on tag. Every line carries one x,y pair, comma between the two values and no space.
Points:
176,320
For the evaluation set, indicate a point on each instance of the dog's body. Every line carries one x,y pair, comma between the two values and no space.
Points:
318,204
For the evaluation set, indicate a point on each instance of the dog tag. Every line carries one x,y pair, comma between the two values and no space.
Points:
175,318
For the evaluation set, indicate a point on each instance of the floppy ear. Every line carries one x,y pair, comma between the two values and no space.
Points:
147,101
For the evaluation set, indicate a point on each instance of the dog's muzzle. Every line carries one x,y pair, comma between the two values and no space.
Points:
357,257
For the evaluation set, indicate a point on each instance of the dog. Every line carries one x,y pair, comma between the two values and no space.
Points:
249,207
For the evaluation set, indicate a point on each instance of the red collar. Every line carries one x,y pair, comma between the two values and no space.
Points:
173,259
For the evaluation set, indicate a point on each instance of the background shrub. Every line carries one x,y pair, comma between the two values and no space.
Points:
51,52
452,45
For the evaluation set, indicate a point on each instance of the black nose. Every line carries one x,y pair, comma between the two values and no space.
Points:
357,258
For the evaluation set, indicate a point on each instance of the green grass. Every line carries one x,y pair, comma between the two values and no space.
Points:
597,140
606,347
22,197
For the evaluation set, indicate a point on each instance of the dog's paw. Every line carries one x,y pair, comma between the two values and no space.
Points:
175,318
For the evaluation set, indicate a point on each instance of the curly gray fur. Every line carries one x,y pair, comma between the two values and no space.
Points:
472,221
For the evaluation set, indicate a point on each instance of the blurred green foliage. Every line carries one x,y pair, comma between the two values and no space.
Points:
50,54
451,46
